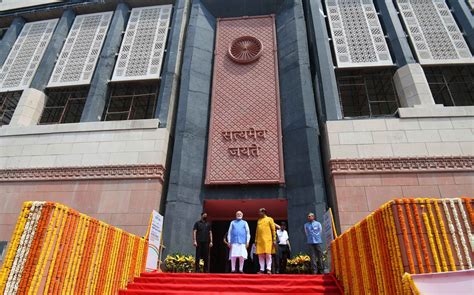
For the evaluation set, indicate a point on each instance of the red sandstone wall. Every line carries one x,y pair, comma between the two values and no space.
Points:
126,204
359,194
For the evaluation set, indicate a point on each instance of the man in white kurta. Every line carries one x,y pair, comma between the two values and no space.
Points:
239,238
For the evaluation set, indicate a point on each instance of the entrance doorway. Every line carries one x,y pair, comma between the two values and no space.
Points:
222,212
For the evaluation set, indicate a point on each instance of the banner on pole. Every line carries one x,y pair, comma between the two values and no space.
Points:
154,241
328,228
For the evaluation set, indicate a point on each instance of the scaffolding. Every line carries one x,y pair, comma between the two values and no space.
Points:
451,85
64,105
367,92
132,101
8,103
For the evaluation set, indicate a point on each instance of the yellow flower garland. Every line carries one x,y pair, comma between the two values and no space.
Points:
396,256
399,263
444,233
69,250
409,285
431,241
431,215
15,241
46,249
368,257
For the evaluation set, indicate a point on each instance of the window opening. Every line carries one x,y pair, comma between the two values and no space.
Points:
64,105
132,101
451,85
8,103
367,92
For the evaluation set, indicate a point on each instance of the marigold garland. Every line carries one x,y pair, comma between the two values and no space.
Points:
369,255
439,245
396,255
378,257
431,241
409,285
466,224
469,209
11,252
23,248
385,251
76,254
45,250
362,259
460,231
406,240
444,233
424,246
453,233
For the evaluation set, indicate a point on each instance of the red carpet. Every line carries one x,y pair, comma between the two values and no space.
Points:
178,283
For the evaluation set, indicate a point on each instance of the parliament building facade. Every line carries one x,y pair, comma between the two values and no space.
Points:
116,108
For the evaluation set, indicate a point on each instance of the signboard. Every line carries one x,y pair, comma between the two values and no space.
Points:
154,241
245,134
328,228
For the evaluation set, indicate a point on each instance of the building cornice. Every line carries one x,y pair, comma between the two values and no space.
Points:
403,165
84,173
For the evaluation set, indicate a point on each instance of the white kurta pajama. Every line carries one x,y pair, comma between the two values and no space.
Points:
238,236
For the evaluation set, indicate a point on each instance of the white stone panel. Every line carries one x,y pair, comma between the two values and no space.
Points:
357,36
81,50
143,46
433,32
23,60
72,146
411,137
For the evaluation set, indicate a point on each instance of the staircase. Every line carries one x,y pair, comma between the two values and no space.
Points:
179,283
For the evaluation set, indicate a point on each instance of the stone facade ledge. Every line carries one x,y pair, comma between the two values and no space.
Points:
84,173
80,127
405,165
436,111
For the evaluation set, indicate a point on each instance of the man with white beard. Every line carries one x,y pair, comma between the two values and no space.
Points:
239,238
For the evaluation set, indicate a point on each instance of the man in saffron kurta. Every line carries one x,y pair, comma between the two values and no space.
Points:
239,237
265,241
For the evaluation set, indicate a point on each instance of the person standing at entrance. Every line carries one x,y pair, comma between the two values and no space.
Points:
284,248
313,230
239,238
202,240
265,241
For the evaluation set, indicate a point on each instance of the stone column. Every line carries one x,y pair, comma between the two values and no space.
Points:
462,13
396,35
172,64
412,87
304,175
97,96
32,100
324,77
410,81
9,38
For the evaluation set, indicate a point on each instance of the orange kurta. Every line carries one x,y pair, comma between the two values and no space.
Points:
265,236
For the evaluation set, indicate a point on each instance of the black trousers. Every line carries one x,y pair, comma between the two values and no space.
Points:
316,255
202,252
283,253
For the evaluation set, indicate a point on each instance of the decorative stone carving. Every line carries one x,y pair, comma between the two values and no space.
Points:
143,46
357,36
245,49
26,54
81,50
84,173
245,134
408,164
433,32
